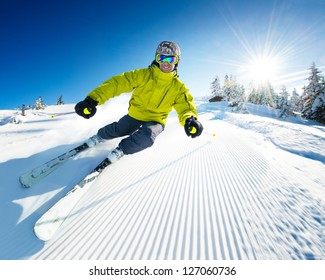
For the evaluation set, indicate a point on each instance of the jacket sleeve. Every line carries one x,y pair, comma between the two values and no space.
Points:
184,105
116,85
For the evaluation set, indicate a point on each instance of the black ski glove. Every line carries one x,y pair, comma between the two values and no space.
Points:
86,108
193,127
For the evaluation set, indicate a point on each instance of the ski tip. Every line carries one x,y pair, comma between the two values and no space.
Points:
24,183
42,235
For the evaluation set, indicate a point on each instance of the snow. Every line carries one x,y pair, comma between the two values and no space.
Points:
255,190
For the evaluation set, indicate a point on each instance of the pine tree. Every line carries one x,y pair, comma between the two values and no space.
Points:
303,97
216,87
60,101
265,95
252,94
318,107
226,87
283,103
237,92
294,102
313,96
39,104
238,99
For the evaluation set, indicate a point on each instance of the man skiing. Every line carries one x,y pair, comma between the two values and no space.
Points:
156,91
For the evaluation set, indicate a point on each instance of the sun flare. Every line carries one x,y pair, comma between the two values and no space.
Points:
262,69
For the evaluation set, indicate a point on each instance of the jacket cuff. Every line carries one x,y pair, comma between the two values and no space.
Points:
91,101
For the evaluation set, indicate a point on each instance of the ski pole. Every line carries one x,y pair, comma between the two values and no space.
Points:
209,133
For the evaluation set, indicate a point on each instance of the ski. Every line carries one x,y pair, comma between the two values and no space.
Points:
52,219
33,176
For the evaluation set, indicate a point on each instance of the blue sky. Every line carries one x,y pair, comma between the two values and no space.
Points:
52,48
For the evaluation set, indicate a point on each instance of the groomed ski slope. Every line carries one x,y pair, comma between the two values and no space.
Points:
237,195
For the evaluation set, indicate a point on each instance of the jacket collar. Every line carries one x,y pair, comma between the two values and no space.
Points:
162,75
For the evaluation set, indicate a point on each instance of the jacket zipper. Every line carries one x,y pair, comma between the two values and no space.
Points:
162,98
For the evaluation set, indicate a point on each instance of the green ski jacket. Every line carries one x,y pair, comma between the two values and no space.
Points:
155,94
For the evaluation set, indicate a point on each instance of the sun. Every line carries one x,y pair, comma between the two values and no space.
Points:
262,69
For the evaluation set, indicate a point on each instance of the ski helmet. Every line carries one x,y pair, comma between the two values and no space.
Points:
168,48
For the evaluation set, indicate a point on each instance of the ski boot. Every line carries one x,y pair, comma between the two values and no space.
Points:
115,155
94,140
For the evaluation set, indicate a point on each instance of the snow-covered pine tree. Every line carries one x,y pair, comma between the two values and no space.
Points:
39,104
272,96
302,99
252,94
318,107
313,95
283,103
216,88
226,89
239,99
237,93
294,102
265,95
232,91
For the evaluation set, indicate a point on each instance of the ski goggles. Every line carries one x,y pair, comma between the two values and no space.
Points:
171,59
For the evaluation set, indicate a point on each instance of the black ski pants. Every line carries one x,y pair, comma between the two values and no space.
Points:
141,135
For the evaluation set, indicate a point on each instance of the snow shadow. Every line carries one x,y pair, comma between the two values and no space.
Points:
17,240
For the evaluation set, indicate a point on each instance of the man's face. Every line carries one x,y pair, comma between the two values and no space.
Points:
166,67
166,62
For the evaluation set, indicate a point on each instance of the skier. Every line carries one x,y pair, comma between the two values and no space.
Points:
156,91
